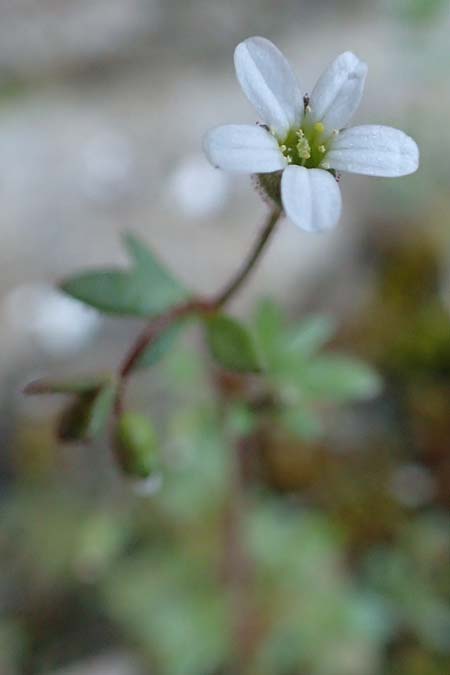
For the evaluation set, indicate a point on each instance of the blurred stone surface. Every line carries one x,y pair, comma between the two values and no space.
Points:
43,36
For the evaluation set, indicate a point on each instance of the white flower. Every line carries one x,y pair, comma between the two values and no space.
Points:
305,137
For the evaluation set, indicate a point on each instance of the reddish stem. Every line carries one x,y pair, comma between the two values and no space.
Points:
198,306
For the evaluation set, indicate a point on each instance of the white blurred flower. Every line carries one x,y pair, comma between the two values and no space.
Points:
196,189
48,319
305,137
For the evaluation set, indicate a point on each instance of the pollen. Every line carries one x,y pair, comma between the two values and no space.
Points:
307,145
303,148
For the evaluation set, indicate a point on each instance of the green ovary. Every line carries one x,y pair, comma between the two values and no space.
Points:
307,146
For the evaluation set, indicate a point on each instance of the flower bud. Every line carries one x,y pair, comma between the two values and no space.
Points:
75,419
88,413
136,445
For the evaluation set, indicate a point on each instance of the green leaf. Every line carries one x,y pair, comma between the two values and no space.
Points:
340,378
310,335
232,345
165,290
88,414
161,347
110,291
144,290
279,343
269,327
101,410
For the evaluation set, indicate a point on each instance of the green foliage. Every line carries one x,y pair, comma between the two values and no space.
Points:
88,414
232,345
180,617
136,445
162,346
280,343
195,489
302,375
11,646
318,614
339,378
418,10
310,335
292,360
394,573
144,290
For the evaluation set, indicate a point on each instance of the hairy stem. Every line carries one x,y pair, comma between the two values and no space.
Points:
200,306
236,282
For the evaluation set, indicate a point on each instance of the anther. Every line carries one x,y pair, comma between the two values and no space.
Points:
322,149
325,165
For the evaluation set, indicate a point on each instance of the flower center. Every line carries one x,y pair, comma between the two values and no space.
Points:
308,145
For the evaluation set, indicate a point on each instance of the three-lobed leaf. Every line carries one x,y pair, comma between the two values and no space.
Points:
144,290
281,345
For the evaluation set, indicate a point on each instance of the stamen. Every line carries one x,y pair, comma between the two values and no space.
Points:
322,149
325,165
303,148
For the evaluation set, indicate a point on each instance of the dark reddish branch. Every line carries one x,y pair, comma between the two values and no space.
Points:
198,306
156,327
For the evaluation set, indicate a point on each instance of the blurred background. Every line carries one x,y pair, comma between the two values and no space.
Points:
103,105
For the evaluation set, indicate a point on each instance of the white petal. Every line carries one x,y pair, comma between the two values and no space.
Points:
374,151
243,148
269,83
338,92
311,198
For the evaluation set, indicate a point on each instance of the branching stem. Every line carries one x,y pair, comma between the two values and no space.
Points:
195,306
